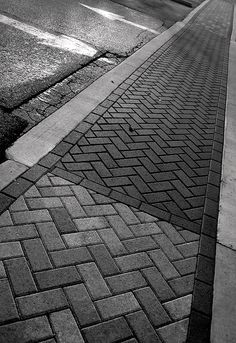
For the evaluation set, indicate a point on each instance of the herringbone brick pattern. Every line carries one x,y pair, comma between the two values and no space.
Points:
155,140
77,266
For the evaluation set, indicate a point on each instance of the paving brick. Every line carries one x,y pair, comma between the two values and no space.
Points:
179,308
20,276
62,220
93,223
126,282
189,236
104,260
82,305
127,215
30,330
110,331
83,195
163,264
19,205
56,191
65,327
112,242
32,192
17,188
81,238
117,305
57,277
49,160
175,332
142,327
42,302
119,226
188,249
171,232
186,266
2,271
27,217
34,173
73,207
7,303
37,254
41,203
158,283
99,210
11,249
50,236
145,229
133,261
67,175
167,246
16,233
5,219
149,302
70,256
205,269
94,280
183,285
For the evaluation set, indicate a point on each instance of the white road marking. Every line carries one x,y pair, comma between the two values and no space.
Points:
57,41
113,16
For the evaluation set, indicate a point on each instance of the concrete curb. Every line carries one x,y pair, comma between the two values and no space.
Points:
224,305
40,140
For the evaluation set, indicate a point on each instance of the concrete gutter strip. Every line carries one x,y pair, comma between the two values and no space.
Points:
40,140
224,299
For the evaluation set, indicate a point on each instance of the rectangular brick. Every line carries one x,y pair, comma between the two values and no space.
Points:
149,302
41,203
112,242
93,223
104,260
117,305
133,261
30,330
94,280
83,195
27,217
70,256
11,249
120,227
20,276
189,249
99,210
50,236
82,305
82,238
57,277
56,191
37,254
2,271
7,303
115,330
171,232
167,246
65,327
42,302
145,229
17,232
142,328
140,244
163,264
126,282
62,220
158,283
126,213
73,207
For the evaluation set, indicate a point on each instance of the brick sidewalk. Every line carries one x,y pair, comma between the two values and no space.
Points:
112,235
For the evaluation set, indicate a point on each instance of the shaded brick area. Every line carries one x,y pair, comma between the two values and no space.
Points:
156,142
91,269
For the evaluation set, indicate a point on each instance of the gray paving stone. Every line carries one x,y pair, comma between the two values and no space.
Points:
42,302
117,305
19,205
94,280
50,236
120,227
27,217
93,223
30,330
174,332
83,195
133,261
140,244
65,327
41,203
168,247
11,249
82,305
62,220
73,207
37,254
57,277
179,308
16,233
82,238
107,332
163,264
142,327
20,276
104,260
67,257
2,271
7,303
112,241
126,282
145,229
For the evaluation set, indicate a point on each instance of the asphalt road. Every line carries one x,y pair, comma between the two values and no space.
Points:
43,41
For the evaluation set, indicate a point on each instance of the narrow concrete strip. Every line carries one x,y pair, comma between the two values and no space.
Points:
39,141
223,327
9,171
